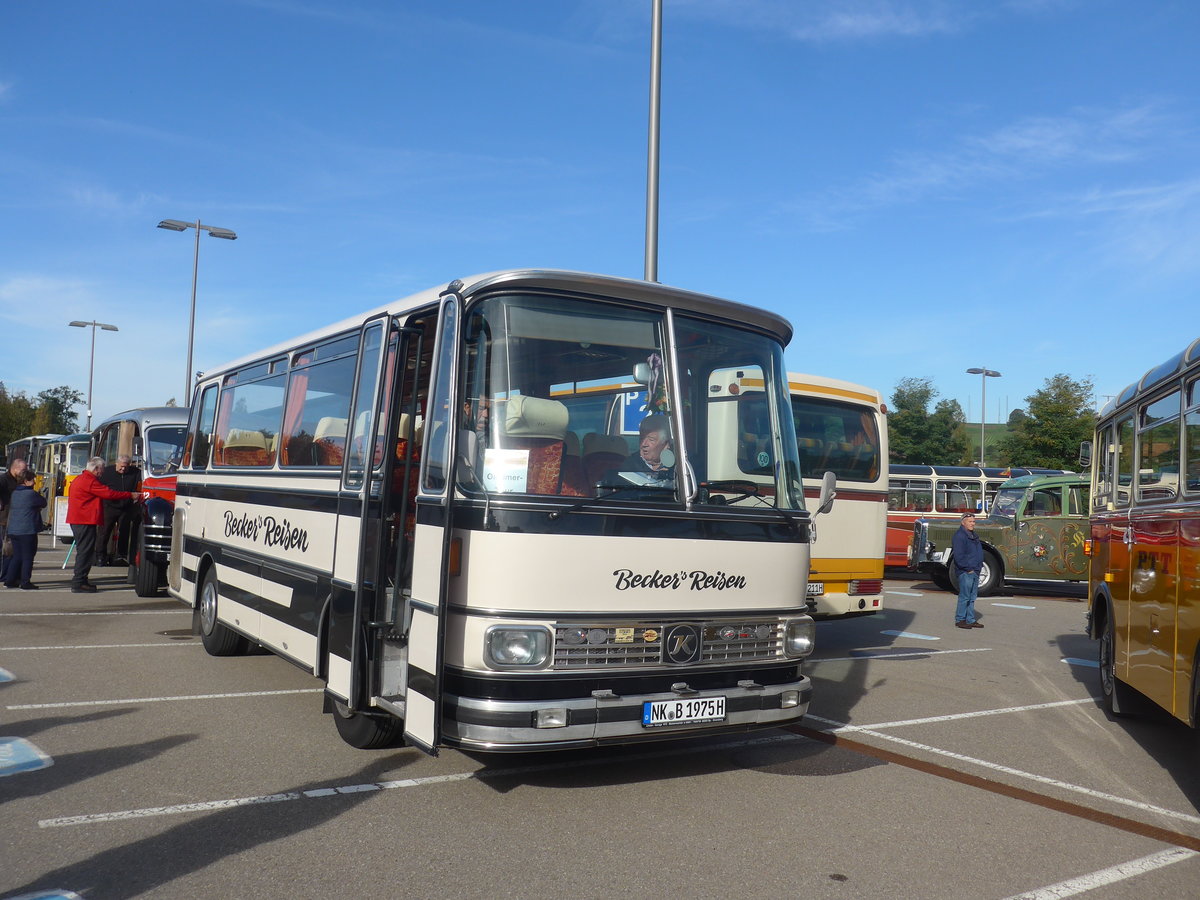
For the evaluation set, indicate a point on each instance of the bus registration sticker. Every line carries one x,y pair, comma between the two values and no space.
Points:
682,712
816,588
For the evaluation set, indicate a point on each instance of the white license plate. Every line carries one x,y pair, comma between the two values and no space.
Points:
682,712
816,587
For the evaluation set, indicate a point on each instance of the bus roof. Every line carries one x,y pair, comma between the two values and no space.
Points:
147,416
1043,480
836,387
1153,377
557,279
971,471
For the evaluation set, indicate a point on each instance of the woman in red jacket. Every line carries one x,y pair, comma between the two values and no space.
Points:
85,513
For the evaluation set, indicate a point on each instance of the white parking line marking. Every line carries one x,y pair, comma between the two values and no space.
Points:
103,612
1083,883
910,634
1073,661
187,643
898,655
953,717
1008,770
482,775
1014,606
135,700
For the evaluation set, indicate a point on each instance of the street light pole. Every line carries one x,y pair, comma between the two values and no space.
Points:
651,267
214,231
92,365
984,375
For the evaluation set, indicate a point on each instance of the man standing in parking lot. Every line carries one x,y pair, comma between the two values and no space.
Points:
967,558
85,514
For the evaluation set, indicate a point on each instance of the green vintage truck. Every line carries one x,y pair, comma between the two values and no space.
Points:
1034,531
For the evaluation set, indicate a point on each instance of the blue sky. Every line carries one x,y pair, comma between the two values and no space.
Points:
919,186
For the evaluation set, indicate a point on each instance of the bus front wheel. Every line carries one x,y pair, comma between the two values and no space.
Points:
147,573
367,732
218,640
1118,696
990,577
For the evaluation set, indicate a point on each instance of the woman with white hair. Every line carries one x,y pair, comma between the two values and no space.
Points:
85,514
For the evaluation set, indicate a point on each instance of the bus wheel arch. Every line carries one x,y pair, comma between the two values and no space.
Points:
218,639
1118,696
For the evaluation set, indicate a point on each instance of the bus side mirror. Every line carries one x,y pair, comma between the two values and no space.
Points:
1085,454
641,373
825,500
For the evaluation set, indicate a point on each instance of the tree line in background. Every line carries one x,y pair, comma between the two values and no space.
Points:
50,412
1046,433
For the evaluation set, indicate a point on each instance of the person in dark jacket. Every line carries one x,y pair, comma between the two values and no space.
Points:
24,522
85,514
13,476
120,516
966,555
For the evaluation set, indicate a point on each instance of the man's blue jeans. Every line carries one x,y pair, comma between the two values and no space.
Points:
968,590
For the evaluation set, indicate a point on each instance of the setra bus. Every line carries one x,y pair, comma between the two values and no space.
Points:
506,514
152,436
939,492
1144,584
59,461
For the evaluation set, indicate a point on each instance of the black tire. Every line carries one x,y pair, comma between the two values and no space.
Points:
147,573
992,576
941,578
217,639
1118,696
367,732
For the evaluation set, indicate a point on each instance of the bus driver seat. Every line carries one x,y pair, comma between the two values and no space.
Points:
539,426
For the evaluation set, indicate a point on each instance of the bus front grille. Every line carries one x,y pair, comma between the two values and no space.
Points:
608,645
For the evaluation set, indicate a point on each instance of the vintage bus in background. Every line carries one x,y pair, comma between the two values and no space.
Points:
27,448
840,428
939,492
1144,585
152,437
59,461
437,508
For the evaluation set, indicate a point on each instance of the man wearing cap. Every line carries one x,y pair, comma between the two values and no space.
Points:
966,555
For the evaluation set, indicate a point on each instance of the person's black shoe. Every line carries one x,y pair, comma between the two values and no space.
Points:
976,624
83,589
963,625
103,561
29,586
10,585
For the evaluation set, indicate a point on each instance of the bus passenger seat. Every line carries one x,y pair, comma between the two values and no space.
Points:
574,481
244,447
539,426
602,453
329,441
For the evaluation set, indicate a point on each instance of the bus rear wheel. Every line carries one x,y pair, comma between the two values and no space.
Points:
218,640
367,732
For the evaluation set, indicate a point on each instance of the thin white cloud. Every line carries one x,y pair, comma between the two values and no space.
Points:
6,88
824,21
1021,151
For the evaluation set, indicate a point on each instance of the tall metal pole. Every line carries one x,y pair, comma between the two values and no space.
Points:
91,374
187,376
982,420
652,161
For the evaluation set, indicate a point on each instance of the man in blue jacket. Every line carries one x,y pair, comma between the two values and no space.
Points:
966,555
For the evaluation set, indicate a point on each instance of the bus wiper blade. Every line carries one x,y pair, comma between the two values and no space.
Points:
609,492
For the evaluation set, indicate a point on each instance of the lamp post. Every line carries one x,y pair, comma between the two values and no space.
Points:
214,231
651,265
92,365
984,375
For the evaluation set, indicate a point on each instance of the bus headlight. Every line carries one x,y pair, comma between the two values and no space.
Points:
517,646
799,637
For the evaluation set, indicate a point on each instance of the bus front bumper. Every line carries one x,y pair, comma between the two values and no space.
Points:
605,718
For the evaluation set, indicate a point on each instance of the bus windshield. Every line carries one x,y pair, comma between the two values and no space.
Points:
164,446
1007,501
580,398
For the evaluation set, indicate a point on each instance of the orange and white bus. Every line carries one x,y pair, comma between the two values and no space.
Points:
1144,586
59,461
939,492
841,427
